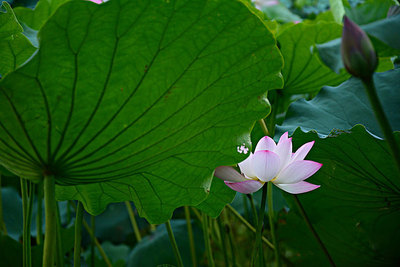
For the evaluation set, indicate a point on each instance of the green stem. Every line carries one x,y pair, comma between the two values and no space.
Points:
60,254
231,244
263,127
174,245
3,228
133,221
191,238
260,226
39,215
310,226
253,208
382,119
248,225
98,245
272,223
246,208
207,244
27,204
93,228
51,221
223,238
78,234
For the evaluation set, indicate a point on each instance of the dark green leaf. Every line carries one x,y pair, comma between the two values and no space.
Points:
138,100
345,106
303,71
369,11
357,208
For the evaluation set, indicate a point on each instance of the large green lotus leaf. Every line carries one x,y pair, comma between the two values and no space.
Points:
15,48
9,25
345,106
369,11
384,36
220,195
35,18
356,211
138,100
303,71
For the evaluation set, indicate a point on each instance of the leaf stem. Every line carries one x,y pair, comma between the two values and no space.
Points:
51,221
221,230
382,120
257,244
133,221
96,241
248,225
207,244
39,214
93,244
272,223
191,238
59,243
78,234
173,243
315,234
3,228
253,208
27,204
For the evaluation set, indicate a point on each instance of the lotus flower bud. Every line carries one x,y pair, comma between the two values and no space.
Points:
358,54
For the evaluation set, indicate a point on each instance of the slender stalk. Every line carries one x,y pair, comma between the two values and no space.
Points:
248,225
97,243
60,254
3,228
78,234
174,245
191,238
231,244
253,208
197,213
93,244
133,221
246,208
263,127
27,204
207,244
382,120
39,214
272,223
310,226
51,221
223,238
260,226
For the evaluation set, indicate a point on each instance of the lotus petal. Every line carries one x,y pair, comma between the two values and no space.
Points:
297,171
265,165
246,187
297,188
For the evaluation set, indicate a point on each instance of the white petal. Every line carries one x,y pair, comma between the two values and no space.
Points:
284,151
297,171
297,188
302,152
266,143
245,167
245,187
265,165
228,173
283,137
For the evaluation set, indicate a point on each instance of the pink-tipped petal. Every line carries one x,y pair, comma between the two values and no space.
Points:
246,187
245,167
284,151
228,173
297,188
265,165
297,171
302,152
266,143
283,137
96,1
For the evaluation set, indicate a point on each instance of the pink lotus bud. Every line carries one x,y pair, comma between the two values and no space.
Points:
358,54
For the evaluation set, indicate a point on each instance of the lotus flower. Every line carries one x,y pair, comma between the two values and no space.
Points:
275,163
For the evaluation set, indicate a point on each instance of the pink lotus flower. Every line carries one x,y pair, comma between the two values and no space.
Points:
275,163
